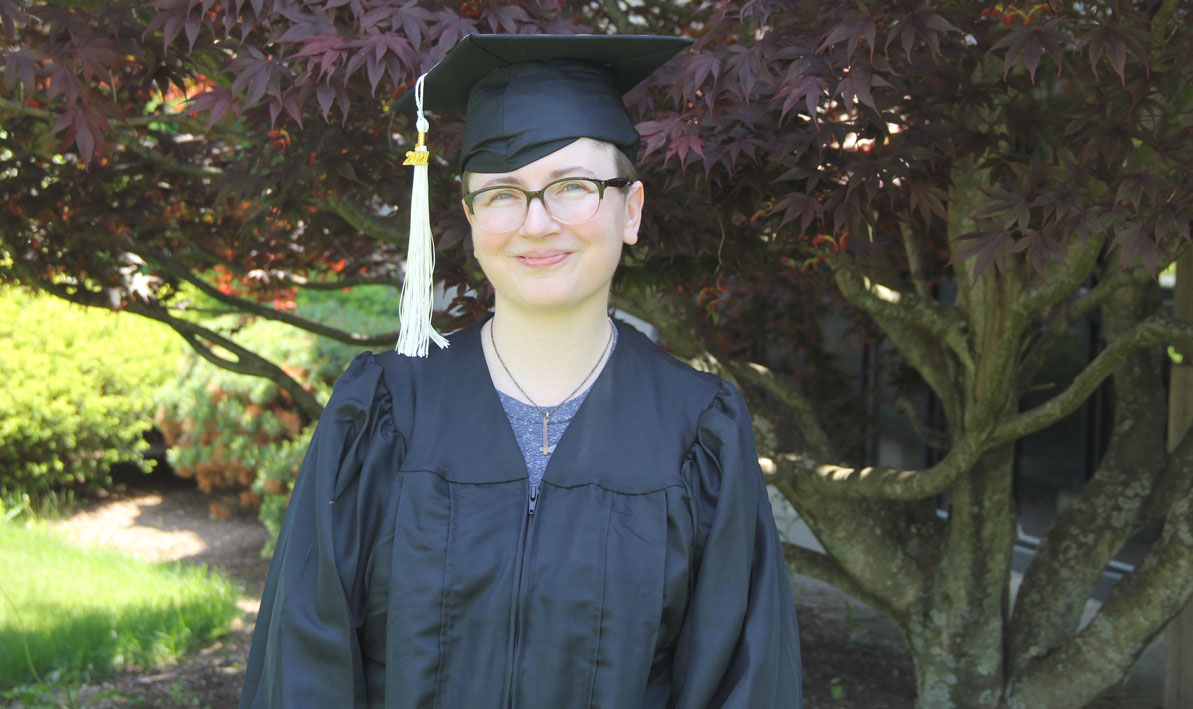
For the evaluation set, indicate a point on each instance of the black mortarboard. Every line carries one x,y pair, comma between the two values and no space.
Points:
526,96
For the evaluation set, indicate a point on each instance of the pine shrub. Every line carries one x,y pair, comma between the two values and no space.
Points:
244,434
78,390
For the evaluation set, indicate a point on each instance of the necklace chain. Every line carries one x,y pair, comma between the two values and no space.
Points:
547,414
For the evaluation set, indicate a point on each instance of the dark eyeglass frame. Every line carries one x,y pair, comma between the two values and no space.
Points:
615,182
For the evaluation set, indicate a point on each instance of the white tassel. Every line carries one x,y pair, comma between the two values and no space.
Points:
417,287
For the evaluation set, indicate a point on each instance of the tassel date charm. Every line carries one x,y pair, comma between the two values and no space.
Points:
417,158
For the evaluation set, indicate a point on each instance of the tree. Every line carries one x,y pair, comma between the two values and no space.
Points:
967,180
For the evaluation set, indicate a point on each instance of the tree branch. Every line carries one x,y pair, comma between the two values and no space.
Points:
937,440
1109,509
1152,331
249,306
923,313
1162,23
835,481
617,16
918,326
674,316
805,417
181,118
178,166
681,10
915,260
22,110
307,284
1081,259
1174,481
998,337
870,553
678,322
1072,312
1137,609
823,567
246,362
385,229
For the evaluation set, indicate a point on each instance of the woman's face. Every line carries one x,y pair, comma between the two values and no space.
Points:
547,266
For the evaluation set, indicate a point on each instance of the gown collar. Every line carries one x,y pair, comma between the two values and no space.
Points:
491,405
627,426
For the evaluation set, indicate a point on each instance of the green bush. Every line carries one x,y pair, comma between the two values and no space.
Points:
231,431
78,390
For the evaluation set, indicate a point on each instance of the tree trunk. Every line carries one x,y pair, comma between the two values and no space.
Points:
1178,661
1178,639
956,642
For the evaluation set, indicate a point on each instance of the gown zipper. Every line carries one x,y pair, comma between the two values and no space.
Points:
531,505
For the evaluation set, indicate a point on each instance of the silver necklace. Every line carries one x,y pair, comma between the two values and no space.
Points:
547,414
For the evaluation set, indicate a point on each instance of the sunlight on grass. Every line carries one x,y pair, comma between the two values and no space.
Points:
82,612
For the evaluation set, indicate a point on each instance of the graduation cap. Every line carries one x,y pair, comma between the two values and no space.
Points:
525,96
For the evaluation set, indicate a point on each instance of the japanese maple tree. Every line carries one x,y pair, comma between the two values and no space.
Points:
963,181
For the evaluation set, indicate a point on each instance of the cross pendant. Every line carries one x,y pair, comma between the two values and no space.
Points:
546,447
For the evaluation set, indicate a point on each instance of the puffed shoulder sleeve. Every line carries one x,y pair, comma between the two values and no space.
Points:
739,646
305,650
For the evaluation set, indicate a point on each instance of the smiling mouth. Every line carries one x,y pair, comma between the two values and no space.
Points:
542,260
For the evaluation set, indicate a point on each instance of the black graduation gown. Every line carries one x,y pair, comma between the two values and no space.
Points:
410,571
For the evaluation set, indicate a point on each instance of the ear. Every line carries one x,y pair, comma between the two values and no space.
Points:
634,199
467,214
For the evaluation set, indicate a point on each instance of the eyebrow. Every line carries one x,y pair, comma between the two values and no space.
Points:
568,171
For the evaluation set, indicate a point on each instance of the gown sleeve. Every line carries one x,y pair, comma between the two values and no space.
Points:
738,646
305,650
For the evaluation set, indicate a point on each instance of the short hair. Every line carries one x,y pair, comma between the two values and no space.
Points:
622,165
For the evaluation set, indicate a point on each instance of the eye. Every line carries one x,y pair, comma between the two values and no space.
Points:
498,197
571,189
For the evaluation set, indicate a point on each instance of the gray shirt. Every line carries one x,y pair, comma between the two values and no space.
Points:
527,423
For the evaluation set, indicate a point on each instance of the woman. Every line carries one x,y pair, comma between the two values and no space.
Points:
551,512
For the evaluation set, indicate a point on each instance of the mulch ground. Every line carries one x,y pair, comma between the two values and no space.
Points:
162,519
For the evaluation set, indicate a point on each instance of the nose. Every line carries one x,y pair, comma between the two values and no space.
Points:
538,221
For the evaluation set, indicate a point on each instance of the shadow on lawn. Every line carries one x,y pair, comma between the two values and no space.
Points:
80,644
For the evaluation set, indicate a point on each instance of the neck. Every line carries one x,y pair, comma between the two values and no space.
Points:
548,354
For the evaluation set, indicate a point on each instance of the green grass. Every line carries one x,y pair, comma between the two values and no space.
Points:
17,503
70,613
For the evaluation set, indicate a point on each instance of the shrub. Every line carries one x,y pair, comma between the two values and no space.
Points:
241,433
78,388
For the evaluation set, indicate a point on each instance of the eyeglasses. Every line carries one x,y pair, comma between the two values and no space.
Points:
570,200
